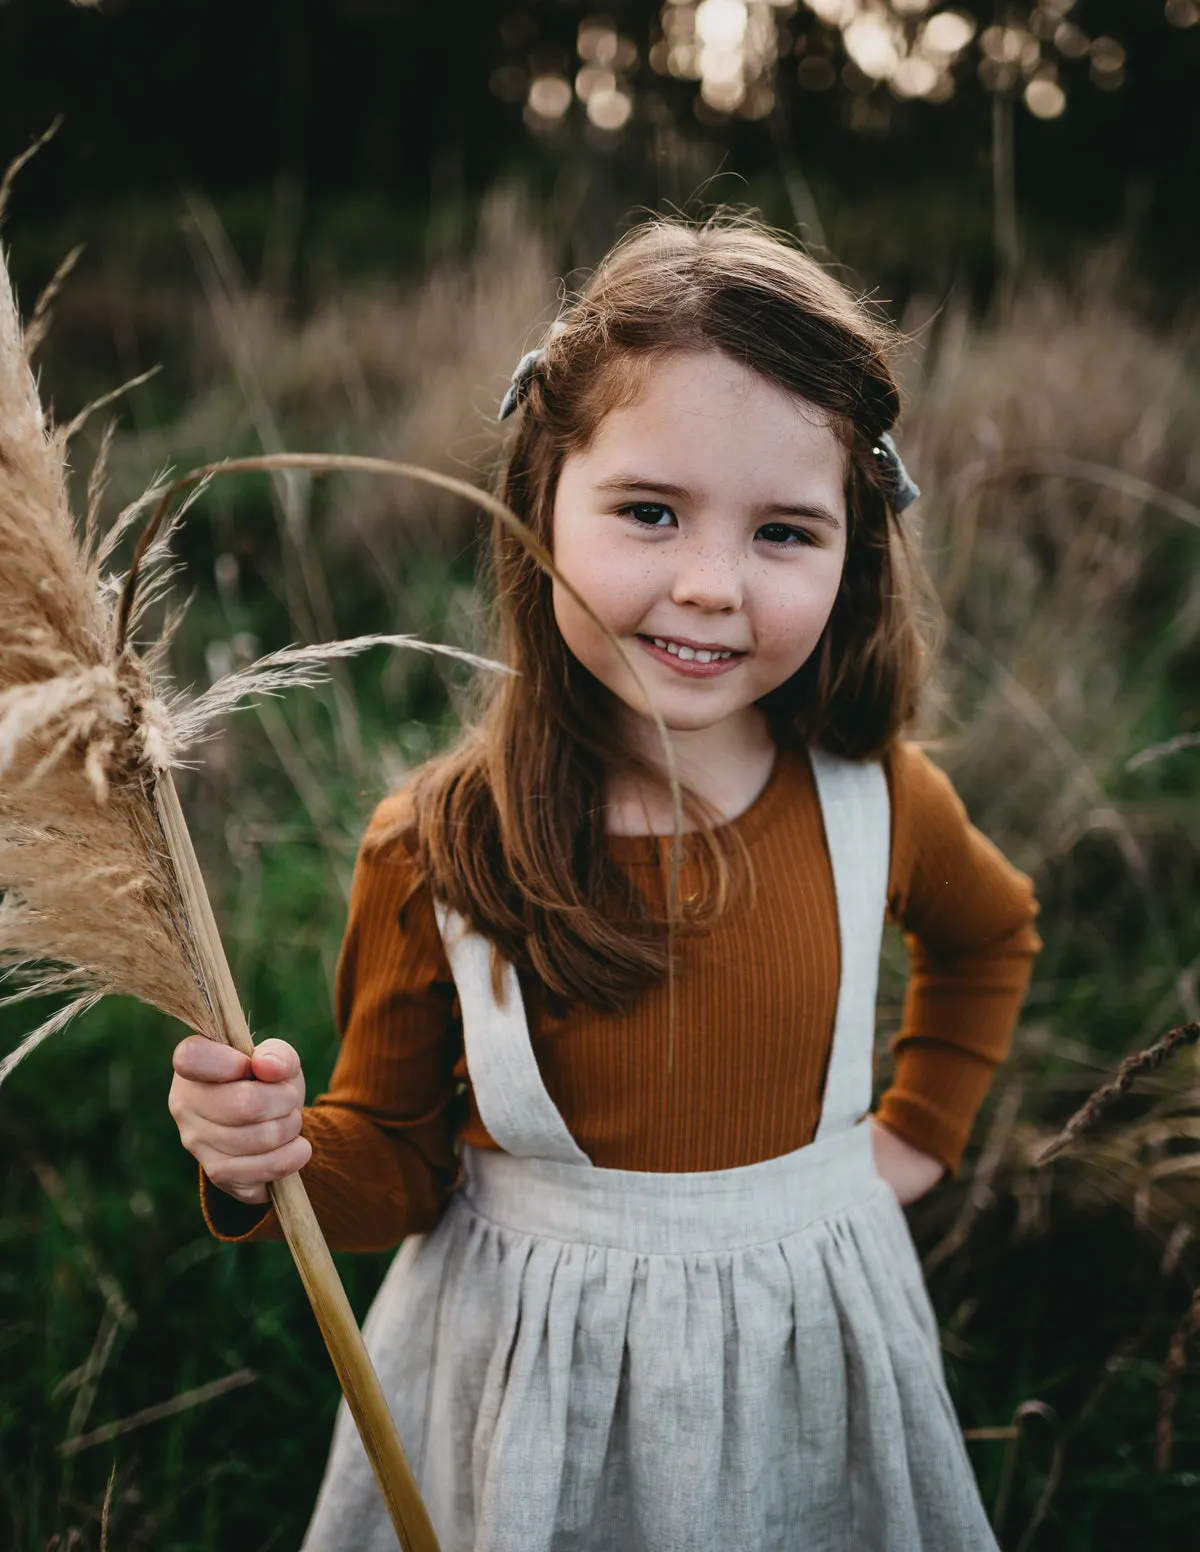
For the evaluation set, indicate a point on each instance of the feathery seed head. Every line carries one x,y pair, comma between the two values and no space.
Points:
82,736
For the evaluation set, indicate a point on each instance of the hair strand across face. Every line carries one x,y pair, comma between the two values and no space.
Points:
510,825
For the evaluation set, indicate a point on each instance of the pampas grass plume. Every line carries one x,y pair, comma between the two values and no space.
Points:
91,904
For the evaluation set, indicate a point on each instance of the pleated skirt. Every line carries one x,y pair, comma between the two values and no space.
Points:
587,1360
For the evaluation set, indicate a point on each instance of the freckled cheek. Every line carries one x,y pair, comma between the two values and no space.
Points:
620,593
583,636
790,619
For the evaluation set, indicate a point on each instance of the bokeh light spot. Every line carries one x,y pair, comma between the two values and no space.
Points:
721,23
592,79
1045,98
870,45
948,33
835,13
915,77
725,93
596,40
550,96
1071,41
609,109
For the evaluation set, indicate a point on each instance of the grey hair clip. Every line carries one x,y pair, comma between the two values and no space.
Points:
518,387
902,491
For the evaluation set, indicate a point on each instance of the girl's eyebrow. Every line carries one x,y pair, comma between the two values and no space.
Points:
626,484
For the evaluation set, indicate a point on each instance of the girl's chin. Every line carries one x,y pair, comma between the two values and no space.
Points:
696,719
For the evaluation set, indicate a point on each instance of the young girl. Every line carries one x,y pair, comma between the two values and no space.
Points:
656,1290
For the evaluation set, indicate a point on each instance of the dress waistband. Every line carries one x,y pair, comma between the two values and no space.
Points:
673,1214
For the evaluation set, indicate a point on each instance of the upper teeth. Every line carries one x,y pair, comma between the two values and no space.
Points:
701,654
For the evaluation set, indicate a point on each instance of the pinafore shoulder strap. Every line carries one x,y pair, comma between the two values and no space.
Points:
513,1101
857,816
508,1087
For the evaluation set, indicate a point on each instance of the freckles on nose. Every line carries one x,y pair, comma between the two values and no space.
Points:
710,572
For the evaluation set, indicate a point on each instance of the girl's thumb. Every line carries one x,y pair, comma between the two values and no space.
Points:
274,1061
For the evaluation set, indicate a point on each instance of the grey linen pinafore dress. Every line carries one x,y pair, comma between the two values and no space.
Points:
598,1360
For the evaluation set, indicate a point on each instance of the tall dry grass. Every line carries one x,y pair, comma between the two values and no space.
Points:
1061,521
1060,461
1056,455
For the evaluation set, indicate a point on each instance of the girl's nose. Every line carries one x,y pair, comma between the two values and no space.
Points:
708,580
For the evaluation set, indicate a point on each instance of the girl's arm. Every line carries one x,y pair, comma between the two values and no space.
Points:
383,1135
968,918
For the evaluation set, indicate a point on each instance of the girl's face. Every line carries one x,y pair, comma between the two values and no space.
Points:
706,526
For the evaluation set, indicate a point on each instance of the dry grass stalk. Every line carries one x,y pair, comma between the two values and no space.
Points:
68,1211
1106,1096
9,176
1014,1433
1162,751
106,1509
356,1375
980,1193
296,665
184,1402
1172,1378
86,1380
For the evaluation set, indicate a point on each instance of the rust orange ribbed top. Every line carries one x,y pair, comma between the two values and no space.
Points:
756,998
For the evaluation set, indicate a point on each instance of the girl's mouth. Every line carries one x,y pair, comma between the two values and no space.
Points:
691,662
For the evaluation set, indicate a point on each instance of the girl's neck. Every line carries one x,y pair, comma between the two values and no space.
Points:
726,767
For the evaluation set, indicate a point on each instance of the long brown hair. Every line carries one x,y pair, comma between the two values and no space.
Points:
510,825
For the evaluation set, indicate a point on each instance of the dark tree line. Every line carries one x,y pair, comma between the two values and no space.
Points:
401,102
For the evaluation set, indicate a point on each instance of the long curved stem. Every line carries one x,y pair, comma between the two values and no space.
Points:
351,463
359,1382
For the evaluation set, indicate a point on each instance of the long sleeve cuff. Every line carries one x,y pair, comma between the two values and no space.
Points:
934,1098
235,1222
368,1188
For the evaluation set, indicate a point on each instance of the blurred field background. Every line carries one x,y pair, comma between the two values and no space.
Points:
336,226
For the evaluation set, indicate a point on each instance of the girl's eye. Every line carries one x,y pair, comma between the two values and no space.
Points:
651,514
785,534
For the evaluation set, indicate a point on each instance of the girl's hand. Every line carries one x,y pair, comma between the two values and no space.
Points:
908,1171
244,1132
